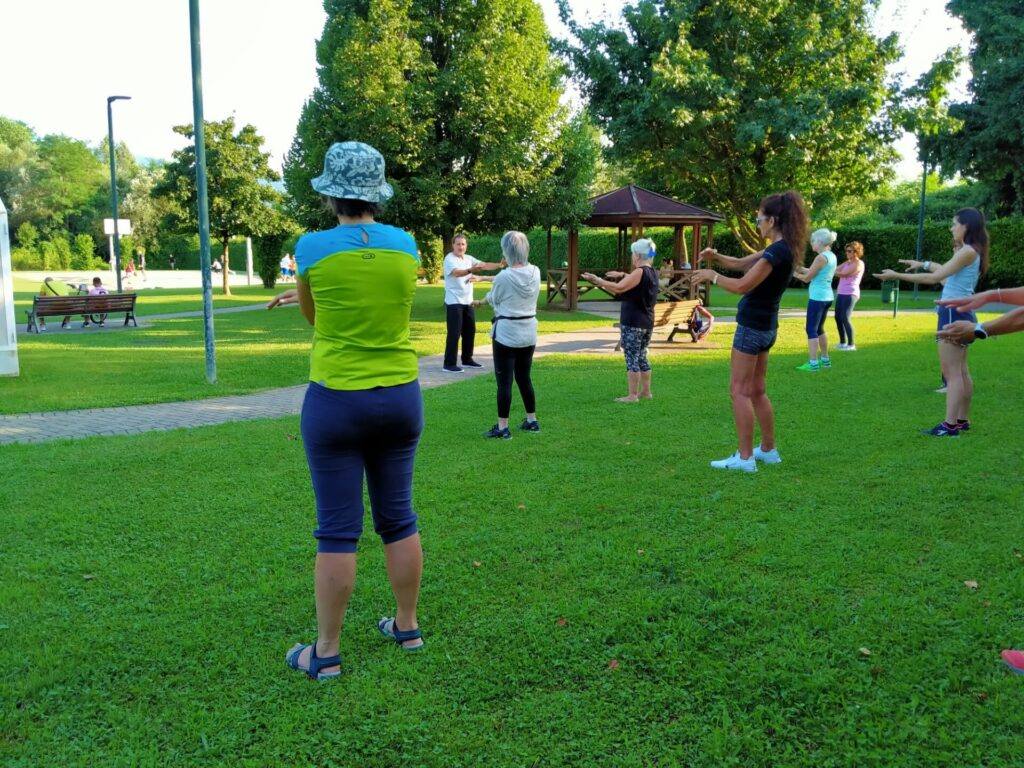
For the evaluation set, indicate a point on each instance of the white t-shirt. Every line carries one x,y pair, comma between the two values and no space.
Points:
285,262
458,290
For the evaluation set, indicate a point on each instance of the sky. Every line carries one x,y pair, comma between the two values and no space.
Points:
60,59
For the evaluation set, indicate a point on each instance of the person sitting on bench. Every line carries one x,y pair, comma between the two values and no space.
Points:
98,289
51,287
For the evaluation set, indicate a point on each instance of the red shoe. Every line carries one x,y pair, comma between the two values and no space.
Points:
1015,661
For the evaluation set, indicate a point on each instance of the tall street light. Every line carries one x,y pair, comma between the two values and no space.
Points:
116,255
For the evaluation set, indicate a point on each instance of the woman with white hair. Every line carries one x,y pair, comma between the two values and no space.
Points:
514,332
819,297
639,291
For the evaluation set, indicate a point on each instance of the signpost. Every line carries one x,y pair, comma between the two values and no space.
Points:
124,227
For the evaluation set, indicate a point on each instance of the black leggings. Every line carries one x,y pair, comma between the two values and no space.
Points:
844,307
514,362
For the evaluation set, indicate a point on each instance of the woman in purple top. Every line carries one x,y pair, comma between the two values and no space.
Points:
850,273
782,221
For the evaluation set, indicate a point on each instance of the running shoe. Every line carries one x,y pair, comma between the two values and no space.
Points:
737,463
500,434
942,430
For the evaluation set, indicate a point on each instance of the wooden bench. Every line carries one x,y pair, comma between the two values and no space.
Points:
675,313
62,306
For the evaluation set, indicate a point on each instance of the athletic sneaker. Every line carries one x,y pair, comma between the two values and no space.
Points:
1014,660
451,369
530,426
767,457
735,462
841,346
964,425
501,434
808,366
826,362
941,390
472,364
942,430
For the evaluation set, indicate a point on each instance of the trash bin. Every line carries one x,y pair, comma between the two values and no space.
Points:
889,289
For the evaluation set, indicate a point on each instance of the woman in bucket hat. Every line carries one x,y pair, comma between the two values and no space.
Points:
363,412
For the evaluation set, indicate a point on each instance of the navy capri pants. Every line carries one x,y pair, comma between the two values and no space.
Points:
349,433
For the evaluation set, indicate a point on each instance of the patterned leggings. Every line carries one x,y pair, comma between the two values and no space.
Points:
634,347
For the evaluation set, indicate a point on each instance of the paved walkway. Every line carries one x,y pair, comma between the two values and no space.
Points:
133,419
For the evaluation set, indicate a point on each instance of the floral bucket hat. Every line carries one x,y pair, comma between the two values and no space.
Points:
354,171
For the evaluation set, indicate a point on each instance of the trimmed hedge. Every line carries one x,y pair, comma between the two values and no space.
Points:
884,246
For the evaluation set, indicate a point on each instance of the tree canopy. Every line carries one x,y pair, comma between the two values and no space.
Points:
724,101
461,98
990,143
238,185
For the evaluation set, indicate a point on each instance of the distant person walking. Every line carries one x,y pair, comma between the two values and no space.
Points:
170,260
819,298
781,219
850,273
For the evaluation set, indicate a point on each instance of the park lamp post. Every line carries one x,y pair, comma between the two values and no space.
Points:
116,255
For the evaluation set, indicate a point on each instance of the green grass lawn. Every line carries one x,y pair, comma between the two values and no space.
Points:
594,595
165,361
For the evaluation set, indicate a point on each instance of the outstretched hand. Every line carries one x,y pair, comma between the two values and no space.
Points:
965,303
291,296
702,276
960,332
887,274
708,255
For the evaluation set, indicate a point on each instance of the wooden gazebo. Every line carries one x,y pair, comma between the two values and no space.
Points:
629,209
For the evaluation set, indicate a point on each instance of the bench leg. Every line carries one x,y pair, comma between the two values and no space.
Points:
672,335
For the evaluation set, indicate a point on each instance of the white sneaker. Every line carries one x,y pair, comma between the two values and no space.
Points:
841,347
735,462
941,390
767,457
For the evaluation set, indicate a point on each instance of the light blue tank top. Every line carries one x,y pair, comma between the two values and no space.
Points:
820,288
962,283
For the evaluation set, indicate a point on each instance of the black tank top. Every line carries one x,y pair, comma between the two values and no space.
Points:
637,309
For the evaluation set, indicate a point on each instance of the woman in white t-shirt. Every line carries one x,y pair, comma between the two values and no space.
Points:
514,332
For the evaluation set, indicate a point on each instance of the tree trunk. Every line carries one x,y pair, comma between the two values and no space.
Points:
224,266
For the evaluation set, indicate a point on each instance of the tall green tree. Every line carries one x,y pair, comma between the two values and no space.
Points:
724,101
238,176
990,143
62,186
18,158
462,99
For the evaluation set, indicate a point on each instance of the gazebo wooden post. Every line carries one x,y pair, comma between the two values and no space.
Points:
574,269
549,248
677,246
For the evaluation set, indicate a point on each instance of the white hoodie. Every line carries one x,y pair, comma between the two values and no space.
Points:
514,294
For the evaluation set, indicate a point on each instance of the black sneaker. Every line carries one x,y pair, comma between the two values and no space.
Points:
964,425
942,430
530,426
472,364
502,434
451,369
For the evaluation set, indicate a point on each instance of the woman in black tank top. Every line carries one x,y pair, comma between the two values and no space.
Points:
639,292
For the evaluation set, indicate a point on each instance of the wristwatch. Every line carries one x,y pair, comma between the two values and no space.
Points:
980,332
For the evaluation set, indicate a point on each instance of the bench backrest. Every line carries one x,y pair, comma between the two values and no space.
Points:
72,305
675,312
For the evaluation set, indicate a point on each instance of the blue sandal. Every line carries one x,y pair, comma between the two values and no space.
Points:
315,664
388,627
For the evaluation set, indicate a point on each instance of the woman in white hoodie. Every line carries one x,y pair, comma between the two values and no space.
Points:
514,332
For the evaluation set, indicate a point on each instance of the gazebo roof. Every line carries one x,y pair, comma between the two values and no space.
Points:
635,205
